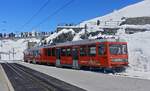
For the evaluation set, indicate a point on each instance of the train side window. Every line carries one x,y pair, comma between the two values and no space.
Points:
92,50
49,52
63,52
101,49
83,51
53,52
68,52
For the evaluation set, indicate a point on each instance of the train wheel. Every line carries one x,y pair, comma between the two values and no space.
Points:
104,70
113,71
48,64
36,62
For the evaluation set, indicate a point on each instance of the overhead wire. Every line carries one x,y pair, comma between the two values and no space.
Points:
34,15
54,13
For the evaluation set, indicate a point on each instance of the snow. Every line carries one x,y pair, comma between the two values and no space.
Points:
18,46
78,35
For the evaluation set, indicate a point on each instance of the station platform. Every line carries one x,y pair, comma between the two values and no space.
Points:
4,86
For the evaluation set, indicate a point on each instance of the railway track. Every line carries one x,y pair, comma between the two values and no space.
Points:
26,79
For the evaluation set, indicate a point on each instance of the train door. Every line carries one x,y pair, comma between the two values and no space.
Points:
75,57
58,50
93,62
102,54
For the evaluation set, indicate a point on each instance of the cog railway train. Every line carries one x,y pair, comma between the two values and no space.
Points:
94,53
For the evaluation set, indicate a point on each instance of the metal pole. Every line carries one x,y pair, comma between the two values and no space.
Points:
13,53
9,55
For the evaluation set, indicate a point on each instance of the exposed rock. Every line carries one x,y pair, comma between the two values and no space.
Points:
64,37
136,21
132,30
110,31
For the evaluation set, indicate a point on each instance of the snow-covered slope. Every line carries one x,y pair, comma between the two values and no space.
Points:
136,10
8,47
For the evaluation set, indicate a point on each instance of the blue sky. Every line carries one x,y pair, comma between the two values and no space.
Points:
15,13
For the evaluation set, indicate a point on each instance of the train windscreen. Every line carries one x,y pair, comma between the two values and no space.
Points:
118,49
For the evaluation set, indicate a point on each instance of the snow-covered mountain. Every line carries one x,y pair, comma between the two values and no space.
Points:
140,9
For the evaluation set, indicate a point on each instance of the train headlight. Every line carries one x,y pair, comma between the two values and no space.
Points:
119,60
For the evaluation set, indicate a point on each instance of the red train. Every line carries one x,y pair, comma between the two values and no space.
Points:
99,53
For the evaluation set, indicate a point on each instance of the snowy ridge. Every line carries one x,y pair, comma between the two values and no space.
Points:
136,10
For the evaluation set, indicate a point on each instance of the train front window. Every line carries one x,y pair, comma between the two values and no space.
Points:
117,49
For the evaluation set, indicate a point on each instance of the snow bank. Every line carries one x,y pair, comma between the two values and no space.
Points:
139,54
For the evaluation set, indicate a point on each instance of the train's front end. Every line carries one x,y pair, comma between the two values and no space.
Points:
118,54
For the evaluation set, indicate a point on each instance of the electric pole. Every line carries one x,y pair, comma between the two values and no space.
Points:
13,53
86,37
